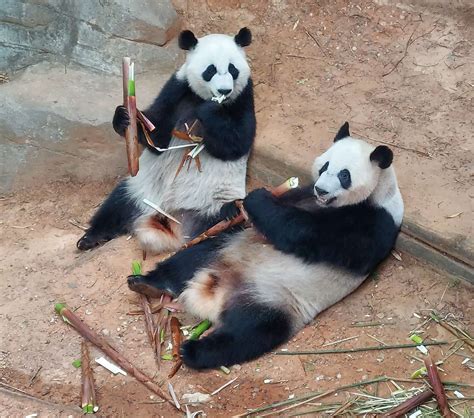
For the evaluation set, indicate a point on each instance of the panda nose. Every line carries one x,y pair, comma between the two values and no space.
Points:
225,92
319,191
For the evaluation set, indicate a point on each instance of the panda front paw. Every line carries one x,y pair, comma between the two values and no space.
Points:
207,110
229,210
256,201
121,120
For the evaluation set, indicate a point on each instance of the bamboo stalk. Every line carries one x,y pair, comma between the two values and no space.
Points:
88,397
356,350
129,101
195,335
409,404
146,122
175,337
222,226
150,327
83,329
310,396
438,388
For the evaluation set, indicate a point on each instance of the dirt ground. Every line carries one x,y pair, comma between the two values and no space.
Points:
40,266
400,75
315,65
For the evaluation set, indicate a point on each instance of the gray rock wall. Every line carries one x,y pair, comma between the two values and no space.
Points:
93,33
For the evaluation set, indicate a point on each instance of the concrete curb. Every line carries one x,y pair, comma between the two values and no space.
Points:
444,254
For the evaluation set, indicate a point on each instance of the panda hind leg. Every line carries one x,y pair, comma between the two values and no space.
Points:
114,218
245,332
171,275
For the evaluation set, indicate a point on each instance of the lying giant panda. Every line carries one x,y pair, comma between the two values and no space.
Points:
215,67
306,251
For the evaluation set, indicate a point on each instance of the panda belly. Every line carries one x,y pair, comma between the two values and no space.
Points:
248,269
188,195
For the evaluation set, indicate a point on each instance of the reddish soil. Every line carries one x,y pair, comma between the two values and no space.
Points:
400,75
40,266
422,105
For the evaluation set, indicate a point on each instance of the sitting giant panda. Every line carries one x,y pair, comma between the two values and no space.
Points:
306,251
215,67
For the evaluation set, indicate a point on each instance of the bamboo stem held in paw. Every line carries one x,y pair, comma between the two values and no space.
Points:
222,226
83,329
129,101
88,399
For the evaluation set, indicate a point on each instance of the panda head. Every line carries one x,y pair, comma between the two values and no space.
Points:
349,171
216,64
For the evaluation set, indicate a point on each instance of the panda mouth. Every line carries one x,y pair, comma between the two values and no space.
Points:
325,201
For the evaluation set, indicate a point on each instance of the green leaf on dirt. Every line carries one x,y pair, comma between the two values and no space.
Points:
136,268
77,363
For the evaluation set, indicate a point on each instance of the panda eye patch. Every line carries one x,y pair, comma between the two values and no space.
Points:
324,168
209,73
344,177
234,72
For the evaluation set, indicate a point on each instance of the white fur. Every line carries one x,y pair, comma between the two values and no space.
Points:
204,192
220,50
271,277
368,180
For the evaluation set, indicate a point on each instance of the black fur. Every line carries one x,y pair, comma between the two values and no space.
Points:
210,72
344,177
187,40
228,211
235,341
343,132
229,128
324,168
244,37
164,113
356,237
172,274
114,218
383,155
234,72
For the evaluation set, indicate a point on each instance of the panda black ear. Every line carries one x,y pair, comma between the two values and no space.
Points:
343,132
187,40
244,37
383,155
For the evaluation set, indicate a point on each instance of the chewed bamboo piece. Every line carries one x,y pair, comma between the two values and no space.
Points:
175,328
83,329
129,101
88,399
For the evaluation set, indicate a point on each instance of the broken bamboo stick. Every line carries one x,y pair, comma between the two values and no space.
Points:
150,328
129,101
438,388
88,398
83,329
409,404
175,337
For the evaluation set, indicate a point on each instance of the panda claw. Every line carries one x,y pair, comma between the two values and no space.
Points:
121,120
87,242
139,284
